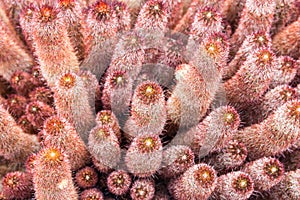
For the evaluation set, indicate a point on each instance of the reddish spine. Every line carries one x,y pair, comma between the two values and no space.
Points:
144,155
52,45
52,176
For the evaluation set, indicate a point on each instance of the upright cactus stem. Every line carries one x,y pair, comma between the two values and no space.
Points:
52,176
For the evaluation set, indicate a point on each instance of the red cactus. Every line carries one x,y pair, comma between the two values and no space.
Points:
86,177
234,185
144,155
118,182
52,176
142,189
198,182
17,185
49,32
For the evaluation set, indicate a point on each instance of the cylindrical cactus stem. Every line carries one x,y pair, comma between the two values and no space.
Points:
128,55
52,44
252,79
285,71
70,11
289,187
231,10
118,182
275,98
17,185
52,176
93,193
61,134
279,132
148,110
14,143
86,177
198,182
176,160
72,102
104,147
13,55
287,42
207,21
26,23
234,186
117,92
286,12
176,8
184,25
91,84
217,47
231,157
142,189
256,16
153,19
190,98
252,42
265,172
122,12
100,37
213,133
144,155
108,118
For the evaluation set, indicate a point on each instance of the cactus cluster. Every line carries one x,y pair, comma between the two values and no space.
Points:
149,99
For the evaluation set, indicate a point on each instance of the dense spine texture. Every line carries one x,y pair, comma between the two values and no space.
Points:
118,182
14,143
57,129
86,177
72,101
190,99
285,71
100,37
288,188
14,55
254,41
198,182
286,41
256,16
252,79
144,155
104,147
52,45
176,160
213,133
234,186
52,176
232,156
277,133
142,189
265,172
17,185
93,193
148,110
117,91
